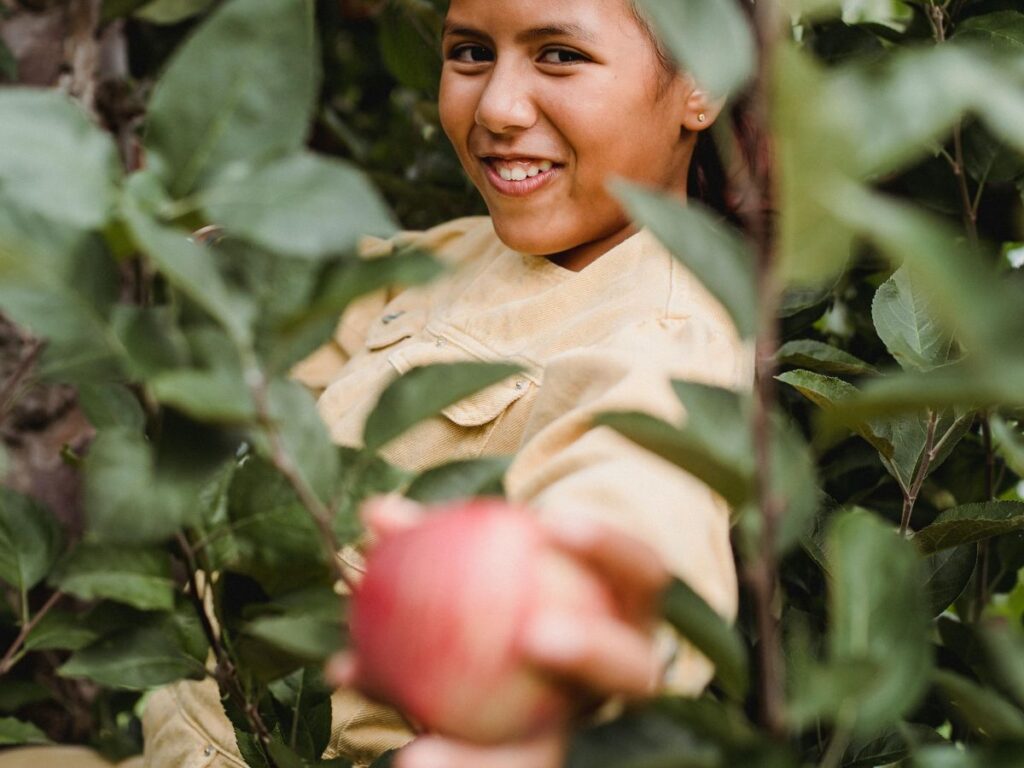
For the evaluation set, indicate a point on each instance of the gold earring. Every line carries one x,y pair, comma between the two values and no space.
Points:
702,118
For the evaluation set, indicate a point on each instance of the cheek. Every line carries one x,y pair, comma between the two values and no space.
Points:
456,105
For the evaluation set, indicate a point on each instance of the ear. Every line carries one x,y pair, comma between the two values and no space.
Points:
700,111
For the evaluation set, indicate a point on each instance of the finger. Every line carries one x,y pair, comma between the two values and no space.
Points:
623,559
547,751
384,515
602,654
342,670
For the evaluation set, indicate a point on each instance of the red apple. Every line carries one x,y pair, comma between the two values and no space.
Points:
437,619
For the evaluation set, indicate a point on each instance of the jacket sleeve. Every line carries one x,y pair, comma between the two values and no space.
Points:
567,463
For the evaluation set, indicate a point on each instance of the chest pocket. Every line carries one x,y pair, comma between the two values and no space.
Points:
395,324
479,408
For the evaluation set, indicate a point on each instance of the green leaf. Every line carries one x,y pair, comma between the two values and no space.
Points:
889,747
984,710
1000,33
963,295
171,11
1004,648
822,358
55,161
16,694
303,205
712,40
135,495
8,63
1009,444
710,634
460,479
306,328
877,616
956,756
274,538
303,436
151,338
828,393
947,574
645,737
60,630
970,523
30,540
257,62
811,151
188,266
311,638
974,385
138,577
409,45
905,321
423,392
794,482
111,405
155,652
115,9
213,396
691,452
14,731
709,248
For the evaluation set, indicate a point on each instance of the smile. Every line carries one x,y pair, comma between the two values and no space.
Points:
516,178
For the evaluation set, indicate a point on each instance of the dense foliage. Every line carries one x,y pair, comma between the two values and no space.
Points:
874,470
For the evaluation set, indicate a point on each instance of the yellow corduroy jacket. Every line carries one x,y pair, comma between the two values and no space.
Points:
608,338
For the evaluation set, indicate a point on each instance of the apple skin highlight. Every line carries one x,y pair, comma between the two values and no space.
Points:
436,621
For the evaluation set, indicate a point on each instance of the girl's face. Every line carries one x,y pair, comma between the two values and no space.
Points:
545,101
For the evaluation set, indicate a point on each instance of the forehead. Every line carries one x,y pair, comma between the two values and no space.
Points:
599,20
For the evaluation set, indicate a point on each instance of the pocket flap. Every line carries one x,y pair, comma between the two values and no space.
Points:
393,325
479,408
487,404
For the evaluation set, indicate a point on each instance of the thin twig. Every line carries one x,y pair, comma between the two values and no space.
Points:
981,579
755,184
227,672
11,657
927,457
283,462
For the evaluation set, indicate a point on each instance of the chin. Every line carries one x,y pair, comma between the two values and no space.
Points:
528,238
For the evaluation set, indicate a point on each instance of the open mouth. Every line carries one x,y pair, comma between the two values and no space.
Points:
519,170
520,176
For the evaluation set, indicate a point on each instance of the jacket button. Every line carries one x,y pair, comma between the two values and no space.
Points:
520,384
208,750
439,342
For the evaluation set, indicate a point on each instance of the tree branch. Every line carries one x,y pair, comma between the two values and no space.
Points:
927,457
227,672
12,655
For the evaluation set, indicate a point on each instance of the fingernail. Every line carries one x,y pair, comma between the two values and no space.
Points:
342,670
553,637
424,754
575,528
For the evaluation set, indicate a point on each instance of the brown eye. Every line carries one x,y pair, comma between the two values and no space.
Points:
562,56
471,54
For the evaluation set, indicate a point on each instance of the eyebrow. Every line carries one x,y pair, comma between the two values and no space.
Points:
527,35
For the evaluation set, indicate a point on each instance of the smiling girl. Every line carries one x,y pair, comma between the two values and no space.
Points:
546,102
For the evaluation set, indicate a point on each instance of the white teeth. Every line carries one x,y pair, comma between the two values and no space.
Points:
519,173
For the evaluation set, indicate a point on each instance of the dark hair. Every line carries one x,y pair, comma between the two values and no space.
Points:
708,179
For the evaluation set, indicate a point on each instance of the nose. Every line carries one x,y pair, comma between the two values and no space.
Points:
506,104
